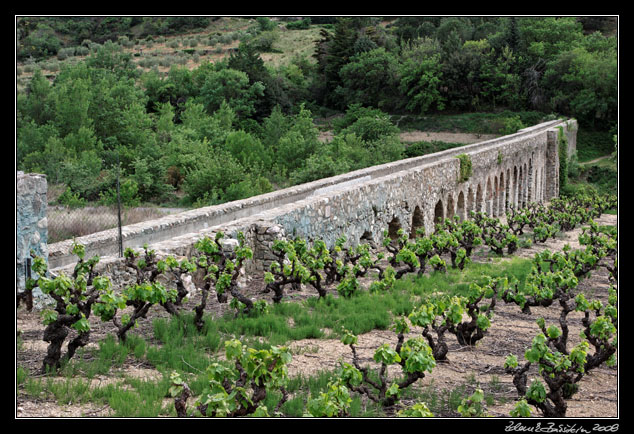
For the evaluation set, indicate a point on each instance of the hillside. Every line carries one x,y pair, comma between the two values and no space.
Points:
204,110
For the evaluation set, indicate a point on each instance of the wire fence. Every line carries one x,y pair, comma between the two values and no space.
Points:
67,222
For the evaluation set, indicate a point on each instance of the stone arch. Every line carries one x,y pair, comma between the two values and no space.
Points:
488,197
393,227
495,201
542,187
501,195
531,181
438,212
418,221
520,188
525,188
461,211
367,236
450,207
479,202
515,186
509,198
470,199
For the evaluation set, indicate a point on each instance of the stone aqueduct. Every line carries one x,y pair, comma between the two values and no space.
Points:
510,170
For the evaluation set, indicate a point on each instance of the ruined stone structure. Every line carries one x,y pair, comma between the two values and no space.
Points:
416,192
31,223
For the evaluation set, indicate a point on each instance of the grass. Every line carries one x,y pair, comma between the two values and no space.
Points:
593,144
293,44
456,282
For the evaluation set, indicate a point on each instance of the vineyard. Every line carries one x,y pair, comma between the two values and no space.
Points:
503,317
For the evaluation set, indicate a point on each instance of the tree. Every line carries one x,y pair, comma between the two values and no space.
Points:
545,37
421,76
39,43
211,175
335,51
233,87
249,151
37,104
371,79
298,142
583,83
72,103
247,59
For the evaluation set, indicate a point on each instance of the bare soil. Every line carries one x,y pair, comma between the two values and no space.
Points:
428,136
467,368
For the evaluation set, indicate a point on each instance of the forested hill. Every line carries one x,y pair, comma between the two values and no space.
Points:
211,109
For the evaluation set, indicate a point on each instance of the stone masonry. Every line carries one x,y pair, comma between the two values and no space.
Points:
31,224
508,171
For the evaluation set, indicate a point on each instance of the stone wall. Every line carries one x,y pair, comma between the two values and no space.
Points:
31,224
510,170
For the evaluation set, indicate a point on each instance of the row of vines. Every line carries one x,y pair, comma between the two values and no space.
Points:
239,385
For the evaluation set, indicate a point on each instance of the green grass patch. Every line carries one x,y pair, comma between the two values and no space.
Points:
456,282
594,144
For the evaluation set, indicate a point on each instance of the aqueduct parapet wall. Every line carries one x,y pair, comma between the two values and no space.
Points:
510,170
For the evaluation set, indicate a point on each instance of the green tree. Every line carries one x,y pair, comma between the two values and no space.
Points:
274,127
584,84
39,43
232,86
72,103
36,104
334,51
31,142
249,151
299,142
111,57
372,128
371,79
421,75
247,60
199,124
545,37
210,177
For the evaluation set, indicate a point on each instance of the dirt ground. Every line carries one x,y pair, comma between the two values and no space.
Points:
419,136
482,366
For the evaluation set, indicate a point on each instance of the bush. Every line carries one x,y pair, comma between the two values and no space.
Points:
372,128
65,53
604,178
299,25
423,148
128,193
465,167
41,42
265,24
354,113
512,125
264,41
71,200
